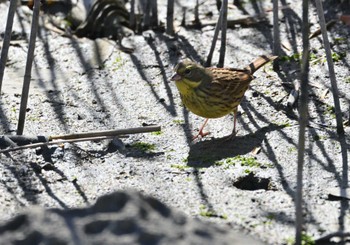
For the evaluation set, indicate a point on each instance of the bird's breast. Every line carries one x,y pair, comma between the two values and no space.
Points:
204,105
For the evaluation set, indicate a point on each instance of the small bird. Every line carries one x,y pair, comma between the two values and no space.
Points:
214,92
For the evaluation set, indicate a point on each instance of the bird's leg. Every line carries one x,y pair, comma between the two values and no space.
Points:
234,122
234,132
201,133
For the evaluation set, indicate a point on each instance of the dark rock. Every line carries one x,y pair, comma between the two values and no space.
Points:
115,219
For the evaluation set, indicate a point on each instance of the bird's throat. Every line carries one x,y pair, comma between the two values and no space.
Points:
186,86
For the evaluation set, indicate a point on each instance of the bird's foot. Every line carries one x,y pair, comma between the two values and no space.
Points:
231,136
200,134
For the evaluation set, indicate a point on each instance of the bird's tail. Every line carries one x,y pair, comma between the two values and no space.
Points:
258,63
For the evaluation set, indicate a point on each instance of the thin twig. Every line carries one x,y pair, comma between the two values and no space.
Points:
56,142
7,38
28,70
223,33
232,23
8,141
339,121
154,12
218,4
276,35
215,38
329,25
71,138
146,14
197,22
170,18
107,133
132,19
303,121
327,238
183,21
327,47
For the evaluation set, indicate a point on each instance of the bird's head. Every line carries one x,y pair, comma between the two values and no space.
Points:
188,73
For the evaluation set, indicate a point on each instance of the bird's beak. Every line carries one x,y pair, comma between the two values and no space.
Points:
175,77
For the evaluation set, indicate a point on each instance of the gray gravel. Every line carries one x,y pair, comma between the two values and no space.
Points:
213,179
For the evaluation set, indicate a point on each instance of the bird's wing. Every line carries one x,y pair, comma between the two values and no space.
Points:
230,78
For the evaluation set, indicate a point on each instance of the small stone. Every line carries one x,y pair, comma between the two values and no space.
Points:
48,167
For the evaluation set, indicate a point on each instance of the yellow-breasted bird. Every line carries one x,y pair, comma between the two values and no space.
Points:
214,92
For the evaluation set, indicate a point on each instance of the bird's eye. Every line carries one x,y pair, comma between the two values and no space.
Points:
188,72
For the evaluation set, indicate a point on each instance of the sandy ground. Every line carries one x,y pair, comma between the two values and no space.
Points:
82,85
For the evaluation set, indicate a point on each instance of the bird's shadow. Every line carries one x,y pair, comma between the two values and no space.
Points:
205,153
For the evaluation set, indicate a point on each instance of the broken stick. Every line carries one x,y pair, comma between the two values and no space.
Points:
89,136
